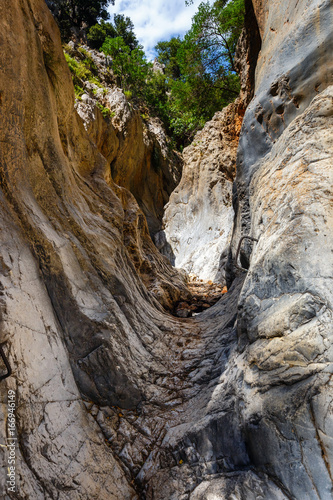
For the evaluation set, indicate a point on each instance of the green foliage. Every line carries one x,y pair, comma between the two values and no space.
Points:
97,34
82,71
167,55
199,77
156,97
129,65
128,94
122,26
78,92
78,14
106,112
79,70
211,42
125,28
199,70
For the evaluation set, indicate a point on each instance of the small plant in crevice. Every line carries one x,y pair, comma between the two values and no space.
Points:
128,94
106,112
79,91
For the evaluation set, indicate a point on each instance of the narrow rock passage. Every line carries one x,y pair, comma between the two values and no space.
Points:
203,295
155,437
116,398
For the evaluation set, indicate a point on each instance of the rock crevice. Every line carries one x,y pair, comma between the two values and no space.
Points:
117,398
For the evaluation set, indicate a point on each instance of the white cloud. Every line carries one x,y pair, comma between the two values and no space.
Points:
156,20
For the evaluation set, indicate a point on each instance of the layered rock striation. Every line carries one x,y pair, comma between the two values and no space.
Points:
79,275
139,153
116,398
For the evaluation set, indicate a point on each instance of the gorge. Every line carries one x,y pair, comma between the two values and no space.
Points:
116,396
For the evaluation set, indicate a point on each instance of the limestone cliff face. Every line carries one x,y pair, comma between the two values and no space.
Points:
136,147
76,265
198,220
199,217
294,66
138,151
285,307
115,397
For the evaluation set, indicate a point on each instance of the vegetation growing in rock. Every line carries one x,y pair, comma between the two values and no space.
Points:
83,70
106,112
199,75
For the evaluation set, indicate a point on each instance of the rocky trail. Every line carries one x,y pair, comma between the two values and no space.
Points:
203,295
193,358
129,380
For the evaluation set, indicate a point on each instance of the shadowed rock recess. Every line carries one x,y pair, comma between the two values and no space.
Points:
116,398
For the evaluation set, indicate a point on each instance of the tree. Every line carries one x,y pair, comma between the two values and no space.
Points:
200,69
167,55
214,33
122,26
78,13
97,34
129,65
125,28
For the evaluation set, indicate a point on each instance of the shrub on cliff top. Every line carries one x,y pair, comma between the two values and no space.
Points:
122,26
129,65
78,14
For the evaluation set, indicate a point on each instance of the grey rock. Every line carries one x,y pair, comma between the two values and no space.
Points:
116,397
294,65
199,216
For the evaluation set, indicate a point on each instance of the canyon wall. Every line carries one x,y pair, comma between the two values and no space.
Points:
115,397
198,219
138,151
81,282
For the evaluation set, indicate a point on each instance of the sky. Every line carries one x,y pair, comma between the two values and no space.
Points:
156,20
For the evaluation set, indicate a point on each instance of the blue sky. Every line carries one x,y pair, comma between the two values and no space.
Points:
156,20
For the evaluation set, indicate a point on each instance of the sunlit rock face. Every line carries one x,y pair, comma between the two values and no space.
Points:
199,217
137,148
116,398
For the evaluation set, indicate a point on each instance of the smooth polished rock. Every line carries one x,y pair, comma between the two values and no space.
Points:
285,307
198,220
294,65
116,398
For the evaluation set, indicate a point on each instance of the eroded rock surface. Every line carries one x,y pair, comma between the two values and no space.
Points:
74,246
198,220
136,147
285,308
294,66
117,398
199,216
